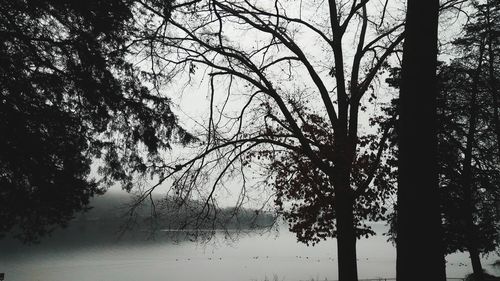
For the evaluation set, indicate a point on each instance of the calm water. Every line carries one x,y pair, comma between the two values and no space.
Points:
68,256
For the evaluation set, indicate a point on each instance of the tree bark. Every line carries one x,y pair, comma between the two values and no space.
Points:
346,236
420,254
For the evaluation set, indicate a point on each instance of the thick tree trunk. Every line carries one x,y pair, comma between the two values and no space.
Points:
346,237
420,254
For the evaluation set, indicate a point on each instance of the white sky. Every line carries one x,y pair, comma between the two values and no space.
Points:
191,101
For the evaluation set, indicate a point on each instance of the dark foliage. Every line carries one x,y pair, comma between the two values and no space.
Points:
454,112
67,97
305,195
469,139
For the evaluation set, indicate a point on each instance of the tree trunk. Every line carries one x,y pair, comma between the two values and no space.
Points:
471,236
467,176
420,254
346,236
476,264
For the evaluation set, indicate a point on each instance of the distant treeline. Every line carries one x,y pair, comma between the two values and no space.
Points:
121,211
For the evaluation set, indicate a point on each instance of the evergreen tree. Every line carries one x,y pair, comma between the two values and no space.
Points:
469,162
68,96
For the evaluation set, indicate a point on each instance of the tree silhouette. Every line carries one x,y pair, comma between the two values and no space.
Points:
297,114
69,97
418,216
469,161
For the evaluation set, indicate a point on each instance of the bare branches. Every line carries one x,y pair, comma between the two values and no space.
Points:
269,74
354,9
292,46
300,21
357,57
380,61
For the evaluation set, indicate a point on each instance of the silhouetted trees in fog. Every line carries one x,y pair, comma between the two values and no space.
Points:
468,151
297,116
69,97
289,86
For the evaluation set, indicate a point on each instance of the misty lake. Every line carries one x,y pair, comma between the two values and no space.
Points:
77,255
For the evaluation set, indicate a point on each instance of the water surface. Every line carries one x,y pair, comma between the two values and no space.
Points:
78,254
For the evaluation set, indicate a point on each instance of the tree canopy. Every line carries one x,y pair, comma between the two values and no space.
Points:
292,113
69,96
286,103
469,159
467,111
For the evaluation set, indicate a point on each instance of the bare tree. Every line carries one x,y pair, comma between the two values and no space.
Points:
288,83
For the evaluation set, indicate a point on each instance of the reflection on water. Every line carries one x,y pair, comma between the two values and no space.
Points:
81,254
